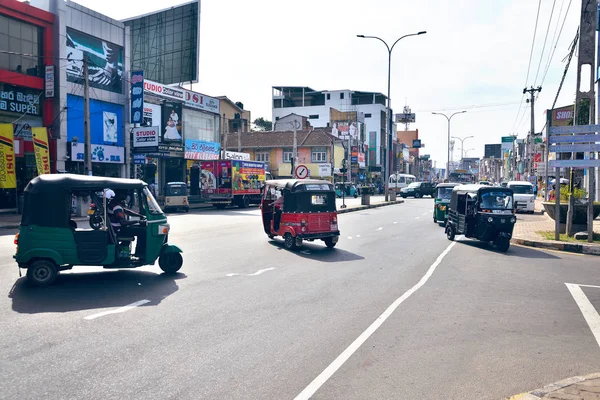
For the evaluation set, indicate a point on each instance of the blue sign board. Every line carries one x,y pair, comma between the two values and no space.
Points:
106,121
591,138
139,159
137,97
416,143
557,130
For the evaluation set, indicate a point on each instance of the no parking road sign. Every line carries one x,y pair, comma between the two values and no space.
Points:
301,172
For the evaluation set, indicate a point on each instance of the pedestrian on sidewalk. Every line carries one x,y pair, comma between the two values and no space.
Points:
535,190
552,194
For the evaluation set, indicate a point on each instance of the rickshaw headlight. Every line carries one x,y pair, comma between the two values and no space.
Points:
513,220
163,229
490,219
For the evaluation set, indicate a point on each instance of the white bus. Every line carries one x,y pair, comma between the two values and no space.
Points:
399,181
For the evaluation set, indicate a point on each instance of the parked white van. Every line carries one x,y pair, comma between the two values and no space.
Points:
524,198
399,181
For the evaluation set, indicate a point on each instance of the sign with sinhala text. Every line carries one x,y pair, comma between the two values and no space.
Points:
557,130
574,148
575,139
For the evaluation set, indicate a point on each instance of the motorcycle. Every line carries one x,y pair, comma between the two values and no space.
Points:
96,217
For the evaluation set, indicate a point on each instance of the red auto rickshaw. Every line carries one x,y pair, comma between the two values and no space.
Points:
300,210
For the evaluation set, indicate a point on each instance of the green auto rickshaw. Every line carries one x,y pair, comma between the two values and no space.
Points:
49,241
441,199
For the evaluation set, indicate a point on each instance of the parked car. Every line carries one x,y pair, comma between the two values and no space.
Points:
523,196
418,190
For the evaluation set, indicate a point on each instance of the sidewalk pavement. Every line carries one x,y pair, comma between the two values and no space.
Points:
12,221
527,226
576,388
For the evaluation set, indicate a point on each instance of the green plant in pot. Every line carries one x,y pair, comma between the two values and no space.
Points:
580,210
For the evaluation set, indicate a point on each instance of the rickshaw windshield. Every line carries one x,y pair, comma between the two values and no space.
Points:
153,207
444,193
497,200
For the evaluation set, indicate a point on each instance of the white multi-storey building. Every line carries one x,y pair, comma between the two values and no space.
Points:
316,105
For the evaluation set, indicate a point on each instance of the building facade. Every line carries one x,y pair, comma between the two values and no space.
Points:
235,118
26,36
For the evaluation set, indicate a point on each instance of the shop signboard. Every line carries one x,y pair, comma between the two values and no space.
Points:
247,176
19,100
187,97
137,97
41,150
106,121
105,61
562,116
171,123
8,177
99,153
324,170
201,150
361,160
139,159
152,115
234,155
145,137
49,81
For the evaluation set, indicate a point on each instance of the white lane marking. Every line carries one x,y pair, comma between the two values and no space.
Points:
587,309
357,236
117,310
350,237
597,287
312,388
380,228
425,214
417,217
260,271
395,222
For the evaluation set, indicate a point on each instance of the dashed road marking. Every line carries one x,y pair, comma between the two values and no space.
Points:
357,236
350,237
417,217
260,271
117,310
324,376
395,222
380,228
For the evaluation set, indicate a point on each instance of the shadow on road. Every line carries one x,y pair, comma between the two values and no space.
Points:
93,290
319,253
513,251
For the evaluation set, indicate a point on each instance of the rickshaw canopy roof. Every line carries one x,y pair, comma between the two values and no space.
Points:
177,184
446,185
54,183
299,185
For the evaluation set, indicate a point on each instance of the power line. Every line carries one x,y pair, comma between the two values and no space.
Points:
545,40
530,57
556,44
469,107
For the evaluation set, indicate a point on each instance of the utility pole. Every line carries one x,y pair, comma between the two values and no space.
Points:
531,137
294,150
87,147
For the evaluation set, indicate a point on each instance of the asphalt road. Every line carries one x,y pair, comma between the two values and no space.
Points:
246,319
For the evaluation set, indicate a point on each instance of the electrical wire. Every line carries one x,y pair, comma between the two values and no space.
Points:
545,40
556,44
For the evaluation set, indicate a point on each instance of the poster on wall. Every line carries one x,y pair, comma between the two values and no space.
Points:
171,123
105,61
41,149
106,121
8,177
248,176
152,115
110,123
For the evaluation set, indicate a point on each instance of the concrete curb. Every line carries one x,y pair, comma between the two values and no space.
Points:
538,394
590,249
361,208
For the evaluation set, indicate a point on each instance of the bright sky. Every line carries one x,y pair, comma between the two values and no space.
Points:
475,54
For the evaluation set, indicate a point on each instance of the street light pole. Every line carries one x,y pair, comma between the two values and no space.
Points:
462,145
448,118
388,147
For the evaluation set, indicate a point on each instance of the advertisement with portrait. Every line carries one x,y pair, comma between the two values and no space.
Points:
344,129
106,121
152,115
172,129
248,176
105,61
215,178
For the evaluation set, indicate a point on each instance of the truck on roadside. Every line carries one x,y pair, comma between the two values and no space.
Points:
232,182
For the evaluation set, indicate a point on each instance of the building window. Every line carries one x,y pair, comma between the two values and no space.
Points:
287,155
318,154
328,96
262,156
314,116
341,96
24,41
368,115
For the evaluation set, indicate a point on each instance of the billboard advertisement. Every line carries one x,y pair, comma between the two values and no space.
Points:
152,115
172,131
247,176
41,150
165,43
191,99
493,151
145,136
105,61
8,177
137,97
563,116
344,129
215,177
201,150
106,121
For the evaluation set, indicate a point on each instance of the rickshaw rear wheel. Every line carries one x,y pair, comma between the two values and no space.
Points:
434,219
289,241
329,242
502,244
42,272
170,262
450,234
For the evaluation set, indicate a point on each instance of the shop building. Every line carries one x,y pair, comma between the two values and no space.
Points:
80,32
26,32
187,126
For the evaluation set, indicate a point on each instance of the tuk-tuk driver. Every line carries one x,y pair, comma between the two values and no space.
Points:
122,226
278,205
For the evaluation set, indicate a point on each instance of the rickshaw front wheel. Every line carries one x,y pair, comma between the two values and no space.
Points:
289,241
170,262
41,272
450,234
502,244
